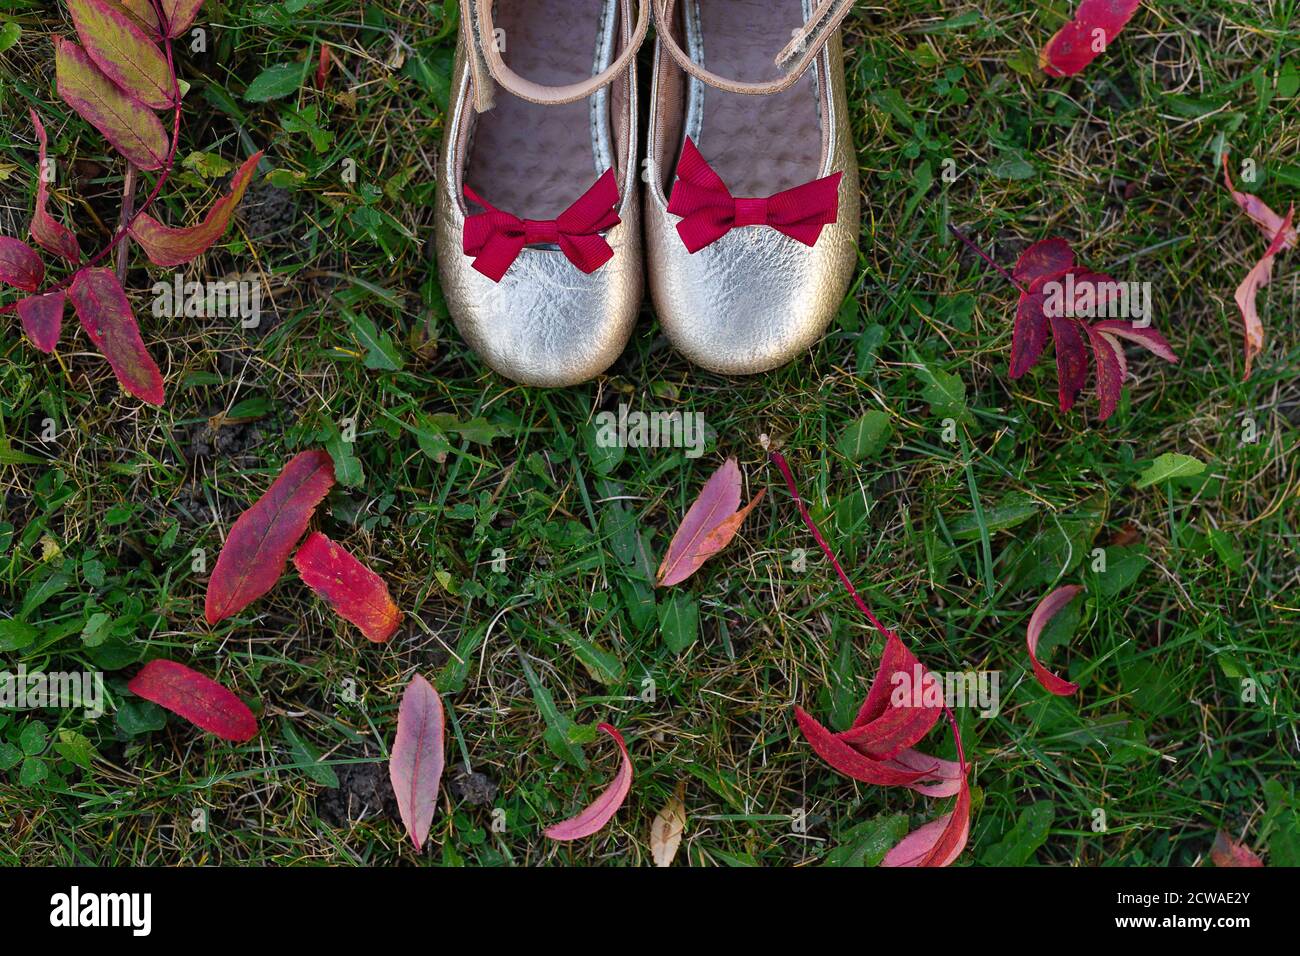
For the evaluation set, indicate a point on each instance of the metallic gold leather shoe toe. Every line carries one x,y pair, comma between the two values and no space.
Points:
752,210
538,226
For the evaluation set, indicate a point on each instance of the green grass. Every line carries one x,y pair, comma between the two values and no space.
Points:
1202,587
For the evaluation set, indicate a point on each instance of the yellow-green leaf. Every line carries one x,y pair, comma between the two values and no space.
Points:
133,129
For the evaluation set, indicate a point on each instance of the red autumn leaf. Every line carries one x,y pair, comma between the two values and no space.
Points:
42,318
1047,609
1029,334
130,126
353,590
844,758
1110,377
1256,279
603,808
416,760
938,842
46,231
1043,261
900,707
710,524
105,313
259,544
124,52
1229,852
1071,360
20,265
1096,23
1259,211
199,699
166,246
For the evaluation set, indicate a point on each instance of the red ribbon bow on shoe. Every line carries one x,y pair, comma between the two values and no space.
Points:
709,211
496,238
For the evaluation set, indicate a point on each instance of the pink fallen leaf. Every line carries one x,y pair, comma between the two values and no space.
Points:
20,265
1229,852
131,127
166,246
1256,279
710,524
1096,23
939,842
416,761
603,808
1146,336
942,778
199,699
1259,211
105,313
1047,609
123,51
42,318
355,592
262,538
46,231
843,758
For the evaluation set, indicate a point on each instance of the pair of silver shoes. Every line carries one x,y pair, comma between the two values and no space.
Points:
751,189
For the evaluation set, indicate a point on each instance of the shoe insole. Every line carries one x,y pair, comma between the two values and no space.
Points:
532,160
759,145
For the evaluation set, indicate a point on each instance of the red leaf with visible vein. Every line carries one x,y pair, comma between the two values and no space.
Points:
1229,852
200,700
129,125
710,524
1029,334
46,231
20,265
1110,379
1047,609
603,808
1043,261
1147,337
1268,221
42,318
938,842
1117,349
1071,360
166,246
123,51
1096,23
262,538
1256,279
353,590
886,726
843,758
105,313
416,760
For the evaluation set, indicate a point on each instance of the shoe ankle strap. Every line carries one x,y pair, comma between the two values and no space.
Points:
793,61
489,68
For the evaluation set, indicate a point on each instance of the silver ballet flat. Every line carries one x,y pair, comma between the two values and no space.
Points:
538,230
752,206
